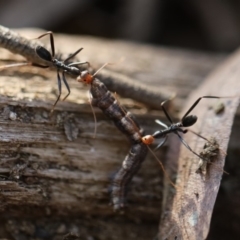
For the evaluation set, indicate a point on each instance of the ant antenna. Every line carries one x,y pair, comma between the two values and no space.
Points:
163,169
15,65
106,64
50,33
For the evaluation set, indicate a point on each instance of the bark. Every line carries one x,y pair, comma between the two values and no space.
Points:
53,171
190,210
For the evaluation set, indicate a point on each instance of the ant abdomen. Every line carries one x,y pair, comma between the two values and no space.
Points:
43,53
189,120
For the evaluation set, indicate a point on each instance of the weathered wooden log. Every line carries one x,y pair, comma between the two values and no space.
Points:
190,210
51,165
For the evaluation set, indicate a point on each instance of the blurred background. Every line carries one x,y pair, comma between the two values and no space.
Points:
212,25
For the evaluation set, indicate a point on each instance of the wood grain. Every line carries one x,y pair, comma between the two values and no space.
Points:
191,208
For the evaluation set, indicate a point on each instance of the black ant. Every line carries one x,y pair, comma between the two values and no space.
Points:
102,98
63,66
60,65
176,128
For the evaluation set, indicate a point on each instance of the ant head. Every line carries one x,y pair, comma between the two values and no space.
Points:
43,53
85,77
148,139
189,120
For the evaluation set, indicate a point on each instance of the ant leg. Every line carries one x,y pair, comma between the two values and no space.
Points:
59,90
188,147
79,63
73,55
189,130
195,104
197,134
161,123
67,86
165,112
51,41
161,143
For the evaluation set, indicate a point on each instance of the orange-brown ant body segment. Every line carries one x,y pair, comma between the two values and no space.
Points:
85,77
148,139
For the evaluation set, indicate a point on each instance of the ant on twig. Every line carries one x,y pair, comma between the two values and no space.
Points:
60,65
63,66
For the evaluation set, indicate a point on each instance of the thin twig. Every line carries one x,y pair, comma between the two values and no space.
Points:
17,44
115,82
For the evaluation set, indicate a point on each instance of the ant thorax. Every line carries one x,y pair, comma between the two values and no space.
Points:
160,133
55,61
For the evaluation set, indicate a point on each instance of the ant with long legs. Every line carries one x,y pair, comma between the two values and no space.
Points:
176,128
127,124
60,65
63,66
